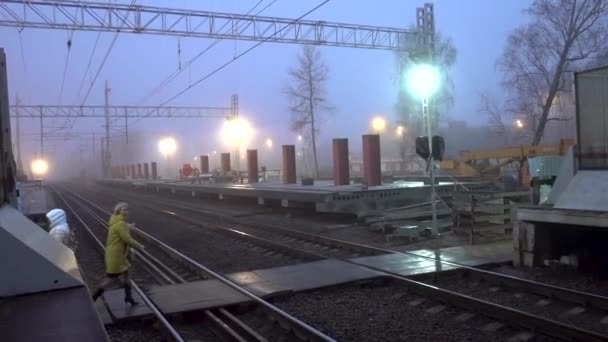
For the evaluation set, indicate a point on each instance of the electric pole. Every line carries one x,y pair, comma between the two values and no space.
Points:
18,136
234,107
127,125
41,135
107,156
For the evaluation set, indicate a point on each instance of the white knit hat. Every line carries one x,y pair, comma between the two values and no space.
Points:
120,206
56,217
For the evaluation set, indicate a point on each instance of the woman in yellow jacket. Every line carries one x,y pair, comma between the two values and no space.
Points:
117,251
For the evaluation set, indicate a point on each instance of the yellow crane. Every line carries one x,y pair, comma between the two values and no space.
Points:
468,165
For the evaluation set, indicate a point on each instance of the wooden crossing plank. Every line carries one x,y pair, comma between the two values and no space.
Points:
119,310
197,295
304,276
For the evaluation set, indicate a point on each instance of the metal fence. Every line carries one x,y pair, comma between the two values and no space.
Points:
592,118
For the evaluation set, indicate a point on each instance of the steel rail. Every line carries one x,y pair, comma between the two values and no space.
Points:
574,296
174,334
513,316
299,325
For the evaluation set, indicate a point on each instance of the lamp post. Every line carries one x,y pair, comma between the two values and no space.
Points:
423,82
39,168
167,147
378,124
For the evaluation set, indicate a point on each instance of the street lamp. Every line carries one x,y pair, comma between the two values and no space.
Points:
237,133
422,82
519,123
400,130
299,138
167,147
269,143
378,124
39,167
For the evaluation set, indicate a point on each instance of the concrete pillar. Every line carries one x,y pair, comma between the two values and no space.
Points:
289,164
372,172
154,170
140,172
204,164
341,164
146,171
252,166
133,172
225,157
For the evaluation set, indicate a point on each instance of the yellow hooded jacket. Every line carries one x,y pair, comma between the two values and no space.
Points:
117,245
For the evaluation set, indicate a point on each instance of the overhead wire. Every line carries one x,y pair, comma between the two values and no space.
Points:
187,65
103,62
25,70
67,62
84,76
237,57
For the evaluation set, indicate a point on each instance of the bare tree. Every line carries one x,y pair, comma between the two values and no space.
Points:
500,123
308,96
540,56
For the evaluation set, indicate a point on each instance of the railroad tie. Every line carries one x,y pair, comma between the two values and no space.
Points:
493,326
577,310
465,316
543,302
416,302
522,337
436,309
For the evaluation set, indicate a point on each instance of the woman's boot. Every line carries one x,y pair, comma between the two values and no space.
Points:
129,295
97,293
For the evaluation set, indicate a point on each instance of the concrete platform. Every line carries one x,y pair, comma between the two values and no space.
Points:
208,294
541,234
62,315
34,201
324,195
42,296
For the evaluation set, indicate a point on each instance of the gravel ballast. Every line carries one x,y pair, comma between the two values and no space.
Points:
552,308
568,279
384,312
215,250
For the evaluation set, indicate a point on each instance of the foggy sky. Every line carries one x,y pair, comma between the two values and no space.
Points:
361,81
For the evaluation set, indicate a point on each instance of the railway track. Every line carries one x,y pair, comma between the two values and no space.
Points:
555,326
167,266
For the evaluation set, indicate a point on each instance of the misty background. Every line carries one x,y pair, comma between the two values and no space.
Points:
362,83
